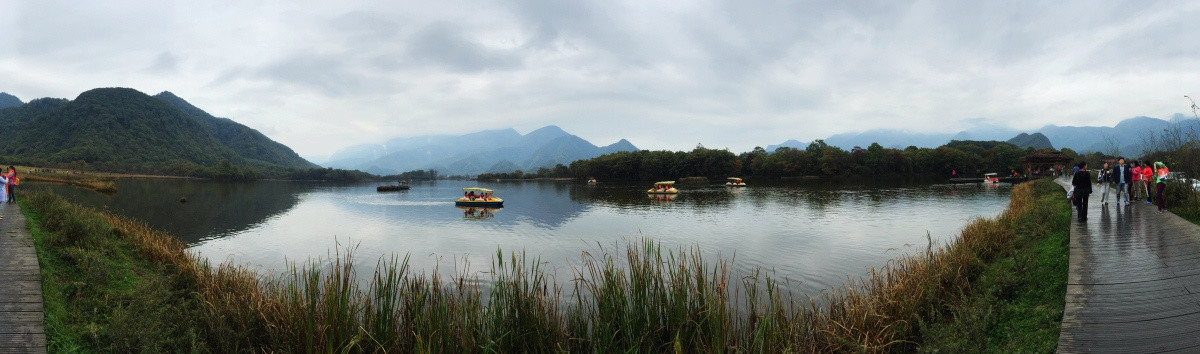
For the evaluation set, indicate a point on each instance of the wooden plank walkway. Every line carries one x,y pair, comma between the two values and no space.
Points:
21,316
1134,282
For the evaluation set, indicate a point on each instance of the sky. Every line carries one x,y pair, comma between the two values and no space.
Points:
321,76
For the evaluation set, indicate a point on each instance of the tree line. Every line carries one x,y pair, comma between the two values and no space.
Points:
969,158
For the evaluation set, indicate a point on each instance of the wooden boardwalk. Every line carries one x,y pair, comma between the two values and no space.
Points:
21,329
1134,282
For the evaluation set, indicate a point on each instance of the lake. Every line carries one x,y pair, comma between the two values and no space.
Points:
814,233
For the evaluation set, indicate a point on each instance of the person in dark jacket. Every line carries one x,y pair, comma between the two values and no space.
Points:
1083,188
1122,177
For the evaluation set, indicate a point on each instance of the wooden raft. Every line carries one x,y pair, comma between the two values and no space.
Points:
21,316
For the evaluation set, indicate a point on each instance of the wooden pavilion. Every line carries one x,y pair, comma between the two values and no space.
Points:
1044,160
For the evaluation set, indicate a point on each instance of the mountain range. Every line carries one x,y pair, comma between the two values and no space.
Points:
470,154
124,129
1126,138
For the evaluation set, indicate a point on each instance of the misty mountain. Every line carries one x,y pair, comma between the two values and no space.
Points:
902,139
1126,138
7,100
474,153
1035,140
791,143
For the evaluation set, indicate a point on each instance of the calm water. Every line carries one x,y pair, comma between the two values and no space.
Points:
815,234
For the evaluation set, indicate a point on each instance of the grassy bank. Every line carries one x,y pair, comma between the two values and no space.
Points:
1016,304
101,293
643,298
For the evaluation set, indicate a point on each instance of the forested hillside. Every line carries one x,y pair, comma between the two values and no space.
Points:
124,130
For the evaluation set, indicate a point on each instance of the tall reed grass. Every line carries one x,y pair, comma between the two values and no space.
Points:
646,299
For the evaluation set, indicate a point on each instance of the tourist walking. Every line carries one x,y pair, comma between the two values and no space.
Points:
1103,178
1161,172
1083,189
1121,175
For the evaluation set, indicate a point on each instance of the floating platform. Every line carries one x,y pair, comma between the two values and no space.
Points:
391,188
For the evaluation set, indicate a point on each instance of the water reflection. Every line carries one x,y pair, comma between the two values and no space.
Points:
212,209
815,234
662,198
477,213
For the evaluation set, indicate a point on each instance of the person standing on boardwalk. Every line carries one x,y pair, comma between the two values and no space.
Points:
12,182
1083,188
1103,178
1135,187
1161,172
3,188
1122,176
1148,181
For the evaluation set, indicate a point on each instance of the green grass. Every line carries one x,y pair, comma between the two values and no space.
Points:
1184,201
1016,305
100,295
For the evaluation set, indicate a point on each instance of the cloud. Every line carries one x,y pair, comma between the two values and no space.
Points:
726,74
444,45
165,62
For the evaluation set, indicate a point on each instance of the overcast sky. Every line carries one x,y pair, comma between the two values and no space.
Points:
319,76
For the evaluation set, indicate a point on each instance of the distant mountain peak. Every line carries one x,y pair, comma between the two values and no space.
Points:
166,94
7,100
1035,140
549,130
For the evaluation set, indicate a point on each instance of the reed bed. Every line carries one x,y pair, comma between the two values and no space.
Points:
94,183
645,299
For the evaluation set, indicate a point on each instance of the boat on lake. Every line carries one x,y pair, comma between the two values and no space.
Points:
991,178
478,197
664,187
734,182
399,186
591,180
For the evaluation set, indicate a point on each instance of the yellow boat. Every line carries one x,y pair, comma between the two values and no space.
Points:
664,187
735,182
479,197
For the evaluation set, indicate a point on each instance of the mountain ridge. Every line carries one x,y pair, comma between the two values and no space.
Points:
487,151
1126,137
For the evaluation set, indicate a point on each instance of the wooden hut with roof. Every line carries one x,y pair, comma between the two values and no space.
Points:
1044,160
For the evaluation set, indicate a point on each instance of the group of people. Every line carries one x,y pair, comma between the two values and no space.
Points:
1130,181
8,180
481,196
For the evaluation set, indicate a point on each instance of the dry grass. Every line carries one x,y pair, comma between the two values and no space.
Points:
644,299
